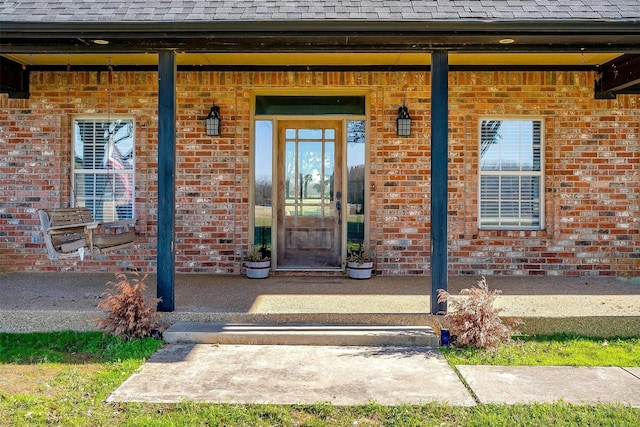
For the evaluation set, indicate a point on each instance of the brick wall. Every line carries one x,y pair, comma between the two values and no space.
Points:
592,154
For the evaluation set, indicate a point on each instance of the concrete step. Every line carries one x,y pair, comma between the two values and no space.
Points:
300,334
377,319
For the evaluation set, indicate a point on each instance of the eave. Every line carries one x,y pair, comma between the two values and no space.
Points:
199,43
317,36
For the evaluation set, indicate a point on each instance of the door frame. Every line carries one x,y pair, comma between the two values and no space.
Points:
275,119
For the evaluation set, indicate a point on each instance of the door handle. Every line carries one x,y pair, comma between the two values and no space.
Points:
339,211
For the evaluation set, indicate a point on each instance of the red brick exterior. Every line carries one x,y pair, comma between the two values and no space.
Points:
592,169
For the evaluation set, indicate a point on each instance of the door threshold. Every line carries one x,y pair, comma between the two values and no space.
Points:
293,271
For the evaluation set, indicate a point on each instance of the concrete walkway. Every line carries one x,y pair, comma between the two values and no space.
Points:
282,374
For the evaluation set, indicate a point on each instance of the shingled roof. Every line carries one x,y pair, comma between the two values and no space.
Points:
159,11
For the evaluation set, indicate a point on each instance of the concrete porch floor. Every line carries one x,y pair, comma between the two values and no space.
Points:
601,306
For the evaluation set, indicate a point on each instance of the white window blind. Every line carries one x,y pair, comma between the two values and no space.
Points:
511,174
103,168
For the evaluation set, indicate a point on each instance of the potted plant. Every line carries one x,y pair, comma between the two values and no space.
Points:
360,261
257,262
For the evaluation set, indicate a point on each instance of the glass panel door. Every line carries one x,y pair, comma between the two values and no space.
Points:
309,203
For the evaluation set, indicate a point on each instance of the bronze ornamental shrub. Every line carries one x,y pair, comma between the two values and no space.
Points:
129,315
475,321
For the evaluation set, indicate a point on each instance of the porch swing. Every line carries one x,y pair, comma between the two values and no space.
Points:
73,232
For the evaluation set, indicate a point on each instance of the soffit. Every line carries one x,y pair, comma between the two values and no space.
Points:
317,59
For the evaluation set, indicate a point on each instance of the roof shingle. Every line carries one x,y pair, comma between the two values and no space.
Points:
63,11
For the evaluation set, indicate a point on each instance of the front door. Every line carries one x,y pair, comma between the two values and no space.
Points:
309,215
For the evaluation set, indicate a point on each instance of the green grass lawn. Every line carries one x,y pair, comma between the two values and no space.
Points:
64,378
563,350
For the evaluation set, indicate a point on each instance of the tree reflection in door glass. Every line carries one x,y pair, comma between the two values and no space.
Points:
263,181
355,181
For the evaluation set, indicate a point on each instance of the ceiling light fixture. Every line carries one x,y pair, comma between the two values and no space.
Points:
506,41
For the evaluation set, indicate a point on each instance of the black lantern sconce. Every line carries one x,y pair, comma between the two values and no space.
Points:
403,122
212,121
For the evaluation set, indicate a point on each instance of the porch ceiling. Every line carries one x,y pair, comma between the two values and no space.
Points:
316,59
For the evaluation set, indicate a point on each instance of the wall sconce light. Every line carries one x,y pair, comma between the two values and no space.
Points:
212,121
403,122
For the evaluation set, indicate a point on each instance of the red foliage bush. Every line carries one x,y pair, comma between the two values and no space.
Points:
129,315
475,321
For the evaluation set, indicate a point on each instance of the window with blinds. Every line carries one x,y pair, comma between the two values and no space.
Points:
511,167
103,168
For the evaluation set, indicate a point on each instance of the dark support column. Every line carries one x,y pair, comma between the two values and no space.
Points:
439,174
166,179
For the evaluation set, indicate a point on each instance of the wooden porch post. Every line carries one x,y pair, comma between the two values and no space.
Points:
439,174
166,179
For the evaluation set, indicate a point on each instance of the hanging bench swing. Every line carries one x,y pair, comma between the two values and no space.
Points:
72,232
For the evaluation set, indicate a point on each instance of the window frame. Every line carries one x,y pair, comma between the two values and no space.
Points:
75,171
540,174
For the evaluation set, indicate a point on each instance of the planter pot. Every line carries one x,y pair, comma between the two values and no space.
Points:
257,269
359,271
